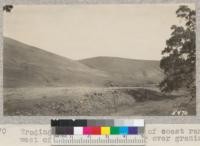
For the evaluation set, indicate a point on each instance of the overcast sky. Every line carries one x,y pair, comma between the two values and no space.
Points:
83,31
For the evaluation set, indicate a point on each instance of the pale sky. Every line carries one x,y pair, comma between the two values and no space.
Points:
83,31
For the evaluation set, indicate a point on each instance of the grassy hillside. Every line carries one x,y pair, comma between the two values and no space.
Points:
25,65
127,71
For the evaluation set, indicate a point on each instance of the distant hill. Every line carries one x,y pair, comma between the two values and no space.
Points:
25,65
127,71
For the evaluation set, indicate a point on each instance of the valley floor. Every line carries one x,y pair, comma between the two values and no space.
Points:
87,101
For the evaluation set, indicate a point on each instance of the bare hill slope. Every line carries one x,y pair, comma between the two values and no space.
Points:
127,71
26,65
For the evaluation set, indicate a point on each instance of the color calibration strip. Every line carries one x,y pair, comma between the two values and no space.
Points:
97,127
104,130
97,132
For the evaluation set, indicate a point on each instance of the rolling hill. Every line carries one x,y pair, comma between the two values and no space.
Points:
127,71
25,66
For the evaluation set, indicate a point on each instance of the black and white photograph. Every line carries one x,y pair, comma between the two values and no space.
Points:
99,60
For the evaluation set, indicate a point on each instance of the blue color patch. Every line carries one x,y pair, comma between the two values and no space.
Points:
123,130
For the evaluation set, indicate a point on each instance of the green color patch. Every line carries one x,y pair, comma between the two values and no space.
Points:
114,130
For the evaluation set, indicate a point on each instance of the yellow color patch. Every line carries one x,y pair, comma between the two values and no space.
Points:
105,130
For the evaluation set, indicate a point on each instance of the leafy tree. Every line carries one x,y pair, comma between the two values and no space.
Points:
179,59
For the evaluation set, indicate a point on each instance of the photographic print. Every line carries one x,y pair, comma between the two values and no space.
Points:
99,60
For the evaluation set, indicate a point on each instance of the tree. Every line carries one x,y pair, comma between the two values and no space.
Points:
179,59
